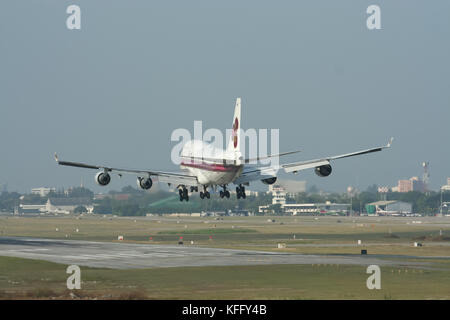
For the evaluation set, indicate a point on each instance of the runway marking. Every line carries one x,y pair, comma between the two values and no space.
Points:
136,256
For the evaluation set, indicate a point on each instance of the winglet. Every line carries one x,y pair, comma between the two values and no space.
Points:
390,142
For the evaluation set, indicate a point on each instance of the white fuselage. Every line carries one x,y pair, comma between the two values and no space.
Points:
210,172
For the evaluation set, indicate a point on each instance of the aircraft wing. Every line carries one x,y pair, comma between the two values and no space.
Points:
234,161
259,173
167,177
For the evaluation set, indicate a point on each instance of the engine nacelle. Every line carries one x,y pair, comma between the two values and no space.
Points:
144,183
323,171
269,180
102,178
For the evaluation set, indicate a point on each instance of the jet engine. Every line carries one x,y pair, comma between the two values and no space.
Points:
144,183
323,171
269,180
102,178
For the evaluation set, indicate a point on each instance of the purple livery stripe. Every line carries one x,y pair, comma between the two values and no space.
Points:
210,166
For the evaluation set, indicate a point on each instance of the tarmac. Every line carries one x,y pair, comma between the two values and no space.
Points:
123,255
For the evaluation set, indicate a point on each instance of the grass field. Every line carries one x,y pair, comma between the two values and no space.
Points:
393,237
331,235
33,279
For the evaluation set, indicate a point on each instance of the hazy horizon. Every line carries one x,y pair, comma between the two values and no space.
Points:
113,92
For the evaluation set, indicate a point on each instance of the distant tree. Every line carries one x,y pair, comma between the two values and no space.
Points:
372,188
57,194
313,189
80,209
33,199
8,200
362,199
276,208
103,207
130,190
52,194
80,192
128,209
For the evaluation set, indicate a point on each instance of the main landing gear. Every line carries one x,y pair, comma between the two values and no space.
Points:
240,192
204,193
225,192
184,195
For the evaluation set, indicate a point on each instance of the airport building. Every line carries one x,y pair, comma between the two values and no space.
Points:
42,191
412,184
290,187
327,208
389,208
57,205
317,208
285,188
279,195
446,187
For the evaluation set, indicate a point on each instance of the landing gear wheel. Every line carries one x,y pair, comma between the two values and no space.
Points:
227,194
204,193
184,195
222,194
181,194
240,192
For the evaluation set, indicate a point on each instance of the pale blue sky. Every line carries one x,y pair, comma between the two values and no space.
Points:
114,91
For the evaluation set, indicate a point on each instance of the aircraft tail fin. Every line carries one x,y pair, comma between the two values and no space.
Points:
235,139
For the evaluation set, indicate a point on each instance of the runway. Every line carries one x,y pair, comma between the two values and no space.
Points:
137,256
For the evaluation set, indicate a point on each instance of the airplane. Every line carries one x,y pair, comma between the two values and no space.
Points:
205,166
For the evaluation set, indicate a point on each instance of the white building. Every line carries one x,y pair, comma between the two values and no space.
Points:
447,186
291,187
247,192
323,208
58,205
392,207
278,194
42,191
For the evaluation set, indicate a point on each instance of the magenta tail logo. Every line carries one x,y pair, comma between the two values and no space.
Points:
235,129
